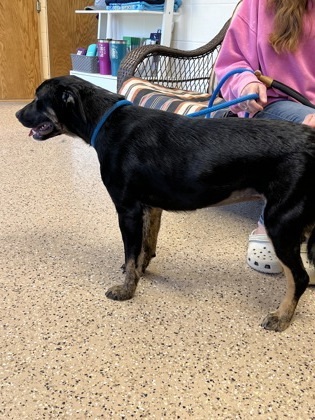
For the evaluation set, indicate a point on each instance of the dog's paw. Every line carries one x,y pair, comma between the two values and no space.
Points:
119,292
274,322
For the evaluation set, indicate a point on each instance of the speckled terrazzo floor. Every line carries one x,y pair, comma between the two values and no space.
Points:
188,346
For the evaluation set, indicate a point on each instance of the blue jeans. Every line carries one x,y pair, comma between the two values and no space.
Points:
284,110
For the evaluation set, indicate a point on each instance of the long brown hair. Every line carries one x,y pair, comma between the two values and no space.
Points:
288,24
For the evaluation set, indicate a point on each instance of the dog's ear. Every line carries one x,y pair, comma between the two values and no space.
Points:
71,98
67,97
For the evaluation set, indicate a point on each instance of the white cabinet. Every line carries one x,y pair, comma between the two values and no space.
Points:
115,24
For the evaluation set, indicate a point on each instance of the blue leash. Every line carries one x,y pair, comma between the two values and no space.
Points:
100,124
211,108
207,111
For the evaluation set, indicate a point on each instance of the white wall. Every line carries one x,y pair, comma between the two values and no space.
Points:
199,21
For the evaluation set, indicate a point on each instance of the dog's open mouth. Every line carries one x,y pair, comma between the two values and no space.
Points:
43,131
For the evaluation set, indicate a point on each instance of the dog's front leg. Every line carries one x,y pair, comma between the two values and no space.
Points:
131,224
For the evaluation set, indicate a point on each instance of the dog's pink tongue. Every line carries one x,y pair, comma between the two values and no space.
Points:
30,133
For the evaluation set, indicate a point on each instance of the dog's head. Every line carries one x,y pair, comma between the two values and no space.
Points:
63,105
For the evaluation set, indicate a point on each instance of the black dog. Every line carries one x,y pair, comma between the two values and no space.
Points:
152,160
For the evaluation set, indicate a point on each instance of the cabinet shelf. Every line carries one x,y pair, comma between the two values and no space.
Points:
121,12
114,24
103,80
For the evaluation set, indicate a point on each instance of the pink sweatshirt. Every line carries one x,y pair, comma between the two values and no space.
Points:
246,45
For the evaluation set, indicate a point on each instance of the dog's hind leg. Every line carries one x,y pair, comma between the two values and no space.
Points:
286,243
131,225
280,319
311,245
151,227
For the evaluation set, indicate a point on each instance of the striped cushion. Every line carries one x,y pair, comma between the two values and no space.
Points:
149,95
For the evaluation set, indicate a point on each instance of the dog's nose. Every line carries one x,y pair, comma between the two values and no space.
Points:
18,114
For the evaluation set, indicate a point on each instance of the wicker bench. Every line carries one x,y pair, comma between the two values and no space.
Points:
170,79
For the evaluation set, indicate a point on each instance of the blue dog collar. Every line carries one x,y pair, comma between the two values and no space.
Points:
104,118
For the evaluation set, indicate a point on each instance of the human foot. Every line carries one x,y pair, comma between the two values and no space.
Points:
260,254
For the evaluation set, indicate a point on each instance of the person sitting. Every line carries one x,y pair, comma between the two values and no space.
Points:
276,37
